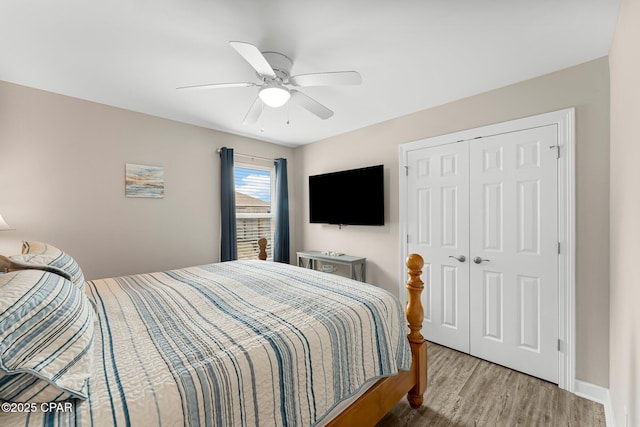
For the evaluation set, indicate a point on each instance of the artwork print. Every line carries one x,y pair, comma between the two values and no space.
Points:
144,181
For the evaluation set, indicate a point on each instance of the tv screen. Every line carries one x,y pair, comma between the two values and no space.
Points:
350,197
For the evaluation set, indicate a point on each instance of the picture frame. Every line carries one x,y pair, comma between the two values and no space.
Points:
144,181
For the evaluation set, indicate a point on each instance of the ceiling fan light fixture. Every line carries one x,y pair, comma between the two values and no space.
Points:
274,95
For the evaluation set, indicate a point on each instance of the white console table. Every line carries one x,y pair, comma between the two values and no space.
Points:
353,262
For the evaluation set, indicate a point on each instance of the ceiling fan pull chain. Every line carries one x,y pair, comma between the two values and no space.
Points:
262,118
287,113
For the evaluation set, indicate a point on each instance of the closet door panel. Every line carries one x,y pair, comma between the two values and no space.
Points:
513,230
438,229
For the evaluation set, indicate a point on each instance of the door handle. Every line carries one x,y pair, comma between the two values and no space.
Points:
460,258
478,260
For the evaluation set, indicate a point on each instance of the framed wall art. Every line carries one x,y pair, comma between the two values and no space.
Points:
144,181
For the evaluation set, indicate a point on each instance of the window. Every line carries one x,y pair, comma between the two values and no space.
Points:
254,217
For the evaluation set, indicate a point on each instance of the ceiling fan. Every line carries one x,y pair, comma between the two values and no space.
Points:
277,84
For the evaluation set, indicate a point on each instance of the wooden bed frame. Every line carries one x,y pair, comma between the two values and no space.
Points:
376,402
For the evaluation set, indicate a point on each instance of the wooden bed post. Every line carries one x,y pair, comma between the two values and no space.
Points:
415,316
262,244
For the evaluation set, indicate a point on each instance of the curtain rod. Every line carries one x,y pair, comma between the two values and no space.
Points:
248,156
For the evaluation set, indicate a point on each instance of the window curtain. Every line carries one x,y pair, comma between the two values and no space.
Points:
228,245
281,235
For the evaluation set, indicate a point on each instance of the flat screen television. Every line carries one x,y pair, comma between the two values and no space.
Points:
349,197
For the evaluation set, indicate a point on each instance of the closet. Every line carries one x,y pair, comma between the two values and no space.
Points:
484,214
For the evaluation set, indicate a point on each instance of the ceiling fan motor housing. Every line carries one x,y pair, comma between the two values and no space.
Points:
280,63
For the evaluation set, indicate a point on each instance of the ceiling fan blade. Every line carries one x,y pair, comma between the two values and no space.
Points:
254,57
327,79
217,86
311,104
254,113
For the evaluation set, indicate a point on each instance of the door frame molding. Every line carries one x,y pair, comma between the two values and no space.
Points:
565,122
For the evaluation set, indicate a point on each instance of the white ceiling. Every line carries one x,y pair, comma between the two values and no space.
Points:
412,54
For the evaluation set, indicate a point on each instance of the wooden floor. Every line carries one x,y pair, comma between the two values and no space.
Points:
466,391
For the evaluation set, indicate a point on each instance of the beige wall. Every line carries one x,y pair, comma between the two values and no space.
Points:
62,181
585,87
625,218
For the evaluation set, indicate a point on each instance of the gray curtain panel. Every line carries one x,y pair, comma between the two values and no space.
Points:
228,244
281,238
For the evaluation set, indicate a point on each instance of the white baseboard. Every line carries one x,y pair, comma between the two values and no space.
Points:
597,394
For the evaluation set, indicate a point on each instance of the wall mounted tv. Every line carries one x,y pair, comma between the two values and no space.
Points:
350,197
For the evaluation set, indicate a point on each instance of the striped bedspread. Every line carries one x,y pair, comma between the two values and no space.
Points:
241,343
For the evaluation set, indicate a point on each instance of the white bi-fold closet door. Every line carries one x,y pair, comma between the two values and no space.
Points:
484,214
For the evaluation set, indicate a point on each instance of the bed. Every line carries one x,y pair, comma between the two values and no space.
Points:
236,343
